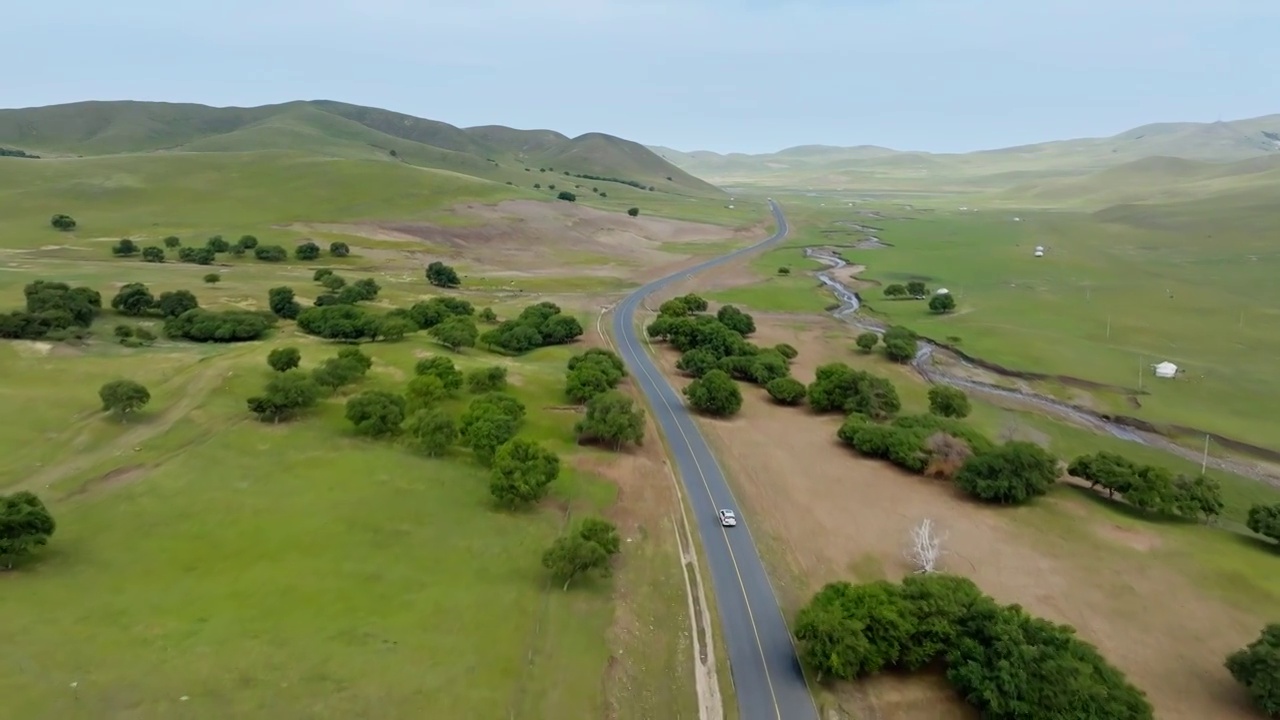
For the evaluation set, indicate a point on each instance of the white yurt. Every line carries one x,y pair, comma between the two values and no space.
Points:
943,291
1039,253
1166,369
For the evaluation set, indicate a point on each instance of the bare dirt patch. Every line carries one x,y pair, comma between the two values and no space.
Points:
825,513
111,480
524,238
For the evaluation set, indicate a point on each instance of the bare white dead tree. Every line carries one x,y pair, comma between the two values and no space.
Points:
926,547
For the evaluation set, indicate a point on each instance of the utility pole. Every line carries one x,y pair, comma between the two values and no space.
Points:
1139,373
1108,327
1204,462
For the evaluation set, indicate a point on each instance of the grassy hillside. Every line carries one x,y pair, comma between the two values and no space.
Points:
875,169
337,130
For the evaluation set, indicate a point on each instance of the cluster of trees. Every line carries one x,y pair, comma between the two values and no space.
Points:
715,352
54,310
1149,488
216,245
25,525
133,337
612,418
536,326
633,183
900,344
1005,662
353,324
290,390
339,292
14,152
136,300
915,290
185,319
442,275
1257,667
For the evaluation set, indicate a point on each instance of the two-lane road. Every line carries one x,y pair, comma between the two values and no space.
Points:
766,673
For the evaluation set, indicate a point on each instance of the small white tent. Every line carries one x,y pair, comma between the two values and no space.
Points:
1166,369
1039,253
1039,248
943,291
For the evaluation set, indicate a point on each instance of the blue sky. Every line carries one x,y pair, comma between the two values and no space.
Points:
725,75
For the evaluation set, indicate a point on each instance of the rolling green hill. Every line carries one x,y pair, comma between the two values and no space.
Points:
337,130
872,169
1153,179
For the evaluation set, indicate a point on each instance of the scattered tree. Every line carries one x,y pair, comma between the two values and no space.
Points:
284,359
307,251
895,290
1012,474
948,401
286,395
572,556
425,391
336,372
900,344
917,289
270,253
62,222
1265,520
25,524
489,379
839,388
1257,668
442,275
487,315
633,212
942,304
612,418
456,333
442,368
566,196
784,270
172,304
125,248
213,278
321,273
522,472
376,413
339,249
866,341
714,394
217,245
488,422
133,299
152,254
248,242
122,397
172,241
432,431
331,281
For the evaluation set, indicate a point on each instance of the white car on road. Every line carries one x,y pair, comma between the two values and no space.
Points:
728,519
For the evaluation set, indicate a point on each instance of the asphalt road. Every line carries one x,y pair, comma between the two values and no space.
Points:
766,673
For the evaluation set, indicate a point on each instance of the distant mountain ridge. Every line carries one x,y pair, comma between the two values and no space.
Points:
829,166
334,129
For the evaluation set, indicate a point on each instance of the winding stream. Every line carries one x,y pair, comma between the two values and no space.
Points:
847,313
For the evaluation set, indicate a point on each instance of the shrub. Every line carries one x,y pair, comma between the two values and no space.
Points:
490,379
786,391
284,359
337,322
212,278
1265,520
633,212
948,401
839,388
787,351
849,631
866,341
442,275
565,195
307,251
62,222
376,413
173,304
172,241
736,320
339,249
125,248
153,254
286,395
1257,668
441,367
270,253
613,419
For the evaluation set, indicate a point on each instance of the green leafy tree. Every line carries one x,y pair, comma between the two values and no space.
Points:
62,222
270,253
153,254
200,325
697,362
338,322
284,359
376,413
320,274
282,303
334,373
784,270
442,368
212,278
612,418
125,248
456,333
900,350
431,431
1257,668
866,341
442,275
633,212
942,303
736,320
123,331
391,328
937,603
786,391
947,401
839,388
307,251
286,395
217,245
332,282
487,315
522,472
133,299
122,397
173,304
917,289
172,241
1265,520
850,631
573,556
601,532
248,242
489,379
489,422
566,196
339,249
1012,474
714,394
1198,497
425,391
895,290
25,524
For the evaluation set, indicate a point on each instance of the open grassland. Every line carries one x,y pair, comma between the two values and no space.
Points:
206,564
1116,292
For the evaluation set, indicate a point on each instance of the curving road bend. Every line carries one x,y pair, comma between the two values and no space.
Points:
766,673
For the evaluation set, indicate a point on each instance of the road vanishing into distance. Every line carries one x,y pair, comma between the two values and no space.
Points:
767,677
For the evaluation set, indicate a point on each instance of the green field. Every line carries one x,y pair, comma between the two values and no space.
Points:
207,565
